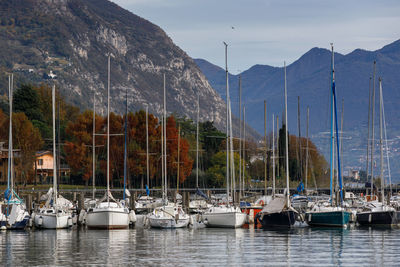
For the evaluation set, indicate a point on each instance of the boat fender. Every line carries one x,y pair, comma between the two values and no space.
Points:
69,222
40,221
132,216
262,202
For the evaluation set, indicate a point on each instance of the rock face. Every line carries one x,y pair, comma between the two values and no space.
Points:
70,39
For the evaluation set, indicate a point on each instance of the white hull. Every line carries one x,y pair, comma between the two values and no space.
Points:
107,218
230,218
167,222
52,221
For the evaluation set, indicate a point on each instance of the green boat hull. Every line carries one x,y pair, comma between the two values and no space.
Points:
328,218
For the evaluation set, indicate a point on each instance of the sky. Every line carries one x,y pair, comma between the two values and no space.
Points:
269,32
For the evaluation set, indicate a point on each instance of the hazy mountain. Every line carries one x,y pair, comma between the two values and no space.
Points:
309,78
72,38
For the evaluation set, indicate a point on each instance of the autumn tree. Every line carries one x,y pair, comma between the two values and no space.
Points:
27,138
78,150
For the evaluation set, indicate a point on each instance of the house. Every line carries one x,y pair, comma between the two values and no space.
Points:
44,165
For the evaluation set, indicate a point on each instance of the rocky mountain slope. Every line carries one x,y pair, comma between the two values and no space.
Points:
69,40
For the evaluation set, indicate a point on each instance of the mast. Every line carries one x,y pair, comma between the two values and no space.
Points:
108,132
341,134
273,156
227,120
94,146
387,147
265,147
162,157
240,134
306,176
54,146
197,142
244,145
287,145
232,162
277,144
368,141
337,135
10,180
126,143
381,140
165,142
147,146
332,144
179,143
300,163
373,131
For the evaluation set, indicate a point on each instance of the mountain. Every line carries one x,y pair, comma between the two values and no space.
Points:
309,78
71,40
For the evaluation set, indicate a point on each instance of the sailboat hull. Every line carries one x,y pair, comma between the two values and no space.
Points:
328,218
278,219
107,218
377,218
51,221
167,223
225,219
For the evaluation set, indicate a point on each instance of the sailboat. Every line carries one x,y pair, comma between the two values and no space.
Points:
227,215
324,214
169,215
16,216
374,212
55,214
278,212
108,213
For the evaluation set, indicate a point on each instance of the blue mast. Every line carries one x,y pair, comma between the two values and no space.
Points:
332,126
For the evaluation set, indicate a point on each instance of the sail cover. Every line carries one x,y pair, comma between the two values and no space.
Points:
274,206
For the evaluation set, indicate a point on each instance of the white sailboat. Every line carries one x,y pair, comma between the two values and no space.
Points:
16,216
108,213
55,214
226,216
170,215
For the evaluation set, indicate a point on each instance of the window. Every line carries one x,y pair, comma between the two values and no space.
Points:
40,162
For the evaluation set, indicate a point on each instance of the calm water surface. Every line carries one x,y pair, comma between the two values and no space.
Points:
202,247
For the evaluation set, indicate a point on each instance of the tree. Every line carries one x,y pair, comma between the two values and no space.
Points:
217,172
27,138
27,100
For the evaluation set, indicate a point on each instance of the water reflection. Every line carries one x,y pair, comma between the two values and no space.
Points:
214,247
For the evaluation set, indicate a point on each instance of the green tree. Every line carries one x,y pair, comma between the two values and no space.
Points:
27,100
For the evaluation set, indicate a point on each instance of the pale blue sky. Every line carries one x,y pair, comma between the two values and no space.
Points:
270,31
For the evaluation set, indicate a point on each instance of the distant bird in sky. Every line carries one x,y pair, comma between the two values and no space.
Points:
232,27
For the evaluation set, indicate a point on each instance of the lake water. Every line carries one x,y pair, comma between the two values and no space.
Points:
202,247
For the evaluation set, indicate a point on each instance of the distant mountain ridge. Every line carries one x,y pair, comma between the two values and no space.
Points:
309,78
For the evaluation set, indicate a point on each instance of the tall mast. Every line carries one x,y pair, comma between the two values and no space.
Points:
381,140
368,141
265,147
300,163
287,145
240,134
244,145
162,157
373,131
232,162
108,132
197,142
179,146
126,143
273,155
227,121
10,181
341,134
332,144
94,146
306,176
54,145
337,135
277,144
147,146
165,142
